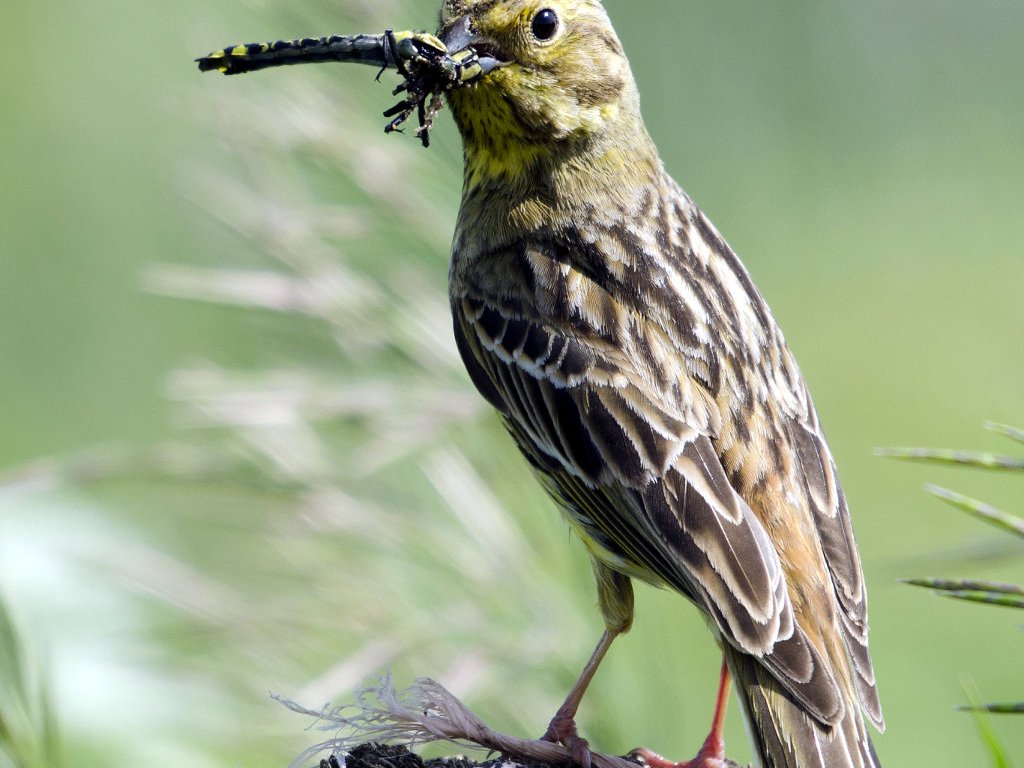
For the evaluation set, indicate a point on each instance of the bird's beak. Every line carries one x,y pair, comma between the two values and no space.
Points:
459,36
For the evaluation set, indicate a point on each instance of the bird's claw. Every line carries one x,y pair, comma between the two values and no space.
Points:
706,758
562,730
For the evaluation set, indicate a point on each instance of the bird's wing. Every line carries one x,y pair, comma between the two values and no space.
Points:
820,481
645,485
808,473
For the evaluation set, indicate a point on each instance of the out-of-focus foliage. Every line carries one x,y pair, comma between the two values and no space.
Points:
285,482
972,590
28,725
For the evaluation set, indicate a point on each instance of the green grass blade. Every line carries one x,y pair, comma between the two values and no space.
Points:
996,709
29,728
979,509
967,585
12,662
1005,595
1006,431
985,729
50,740
976,459
988,598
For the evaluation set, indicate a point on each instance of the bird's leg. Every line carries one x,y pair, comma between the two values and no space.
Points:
562,728
712,752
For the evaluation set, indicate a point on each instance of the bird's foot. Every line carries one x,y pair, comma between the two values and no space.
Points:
562,730
711,755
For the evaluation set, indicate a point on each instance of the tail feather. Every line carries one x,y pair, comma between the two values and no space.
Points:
784,736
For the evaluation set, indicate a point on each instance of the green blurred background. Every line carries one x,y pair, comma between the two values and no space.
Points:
238,453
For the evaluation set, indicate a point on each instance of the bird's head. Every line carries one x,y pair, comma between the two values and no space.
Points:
558,74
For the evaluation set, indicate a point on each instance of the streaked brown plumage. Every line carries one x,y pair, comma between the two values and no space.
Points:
645,380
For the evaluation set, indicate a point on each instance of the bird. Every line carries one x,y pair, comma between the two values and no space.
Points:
645,380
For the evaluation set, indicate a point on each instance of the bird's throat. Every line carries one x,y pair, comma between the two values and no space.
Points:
516,188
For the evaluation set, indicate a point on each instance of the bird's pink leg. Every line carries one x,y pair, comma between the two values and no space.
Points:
712,752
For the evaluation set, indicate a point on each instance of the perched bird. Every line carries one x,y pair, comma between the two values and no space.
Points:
645,380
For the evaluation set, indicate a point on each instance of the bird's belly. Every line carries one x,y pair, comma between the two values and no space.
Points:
601,548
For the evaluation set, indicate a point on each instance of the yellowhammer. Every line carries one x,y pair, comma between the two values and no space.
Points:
644,378
637,367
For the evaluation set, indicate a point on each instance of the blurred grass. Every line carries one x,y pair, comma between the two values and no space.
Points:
29,736
973,590
262,518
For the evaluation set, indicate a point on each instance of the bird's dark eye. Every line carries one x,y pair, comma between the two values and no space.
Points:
545,24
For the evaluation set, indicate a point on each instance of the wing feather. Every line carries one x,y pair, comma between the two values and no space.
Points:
832,519
646,490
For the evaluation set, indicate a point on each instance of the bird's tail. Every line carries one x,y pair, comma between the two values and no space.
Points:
784,736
